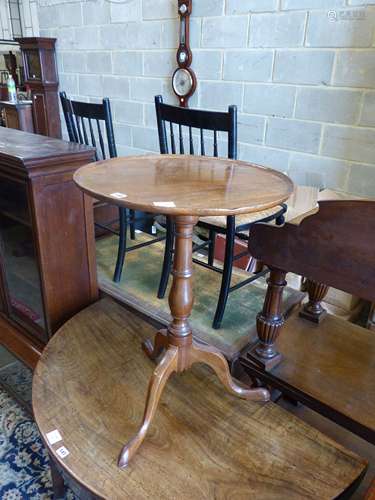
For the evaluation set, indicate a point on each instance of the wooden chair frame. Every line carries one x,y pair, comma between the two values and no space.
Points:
75,114
224,122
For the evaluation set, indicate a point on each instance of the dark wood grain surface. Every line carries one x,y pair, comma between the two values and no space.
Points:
334,246
331,366
29,148
333,362
185,185
91,383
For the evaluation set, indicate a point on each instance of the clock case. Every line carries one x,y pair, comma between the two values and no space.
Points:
41,77
184,46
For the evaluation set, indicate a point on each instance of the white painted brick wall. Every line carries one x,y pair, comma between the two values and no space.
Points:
302,73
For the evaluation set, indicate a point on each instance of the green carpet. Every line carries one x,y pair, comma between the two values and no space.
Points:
139,285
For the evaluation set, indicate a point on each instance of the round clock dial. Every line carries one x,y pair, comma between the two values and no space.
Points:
182,82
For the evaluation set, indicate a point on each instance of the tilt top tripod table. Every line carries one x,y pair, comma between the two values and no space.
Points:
184,187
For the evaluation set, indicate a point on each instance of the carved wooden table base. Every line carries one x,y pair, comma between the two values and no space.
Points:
176,343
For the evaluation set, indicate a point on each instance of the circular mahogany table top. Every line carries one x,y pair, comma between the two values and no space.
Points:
184,185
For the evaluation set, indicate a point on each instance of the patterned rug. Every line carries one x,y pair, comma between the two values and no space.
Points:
24,466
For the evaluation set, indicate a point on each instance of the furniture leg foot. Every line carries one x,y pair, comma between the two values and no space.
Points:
266,363
313,310
153,349
159,378
215,360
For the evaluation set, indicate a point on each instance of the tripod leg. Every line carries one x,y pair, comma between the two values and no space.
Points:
159,378
215,360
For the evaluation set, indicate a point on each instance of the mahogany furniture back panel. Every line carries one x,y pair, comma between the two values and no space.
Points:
47,253
334,246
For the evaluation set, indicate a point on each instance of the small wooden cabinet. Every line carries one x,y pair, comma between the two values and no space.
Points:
47,250
18,115
39,62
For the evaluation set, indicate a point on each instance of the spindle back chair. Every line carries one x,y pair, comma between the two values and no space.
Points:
195,119
176,128
84,125
91,124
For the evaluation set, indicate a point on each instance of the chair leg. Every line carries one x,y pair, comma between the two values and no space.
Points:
227,272
168,257
280,220
211,247
122,245
132,225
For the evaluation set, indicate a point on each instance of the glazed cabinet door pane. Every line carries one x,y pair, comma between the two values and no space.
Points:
22,284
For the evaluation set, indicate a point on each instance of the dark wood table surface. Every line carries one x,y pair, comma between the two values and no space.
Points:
184,187
203,444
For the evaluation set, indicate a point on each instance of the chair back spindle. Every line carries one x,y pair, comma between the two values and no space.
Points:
189,119
79,118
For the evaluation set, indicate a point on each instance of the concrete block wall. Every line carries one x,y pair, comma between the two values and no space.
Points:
5,24
302,73
28,18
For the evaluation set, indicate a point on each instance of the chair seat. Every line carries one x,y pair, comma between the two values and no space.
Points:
221,221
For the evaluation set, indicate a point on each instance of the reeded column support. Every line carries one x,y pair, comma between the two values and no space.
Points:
269,322
176,346
313,310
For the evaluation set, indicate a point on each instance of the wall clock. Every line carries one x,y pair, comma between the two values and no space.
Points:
184,81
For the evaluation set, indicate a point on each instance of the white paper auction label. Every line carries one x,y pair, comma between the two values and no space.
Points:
54,436
165,204
119,196
62,452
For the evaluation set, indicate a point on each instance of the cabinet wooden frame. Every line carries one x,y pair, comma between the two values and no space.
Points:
65,257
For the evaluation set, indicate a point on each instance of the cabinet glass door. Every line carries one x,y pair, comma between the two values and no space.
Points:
19,259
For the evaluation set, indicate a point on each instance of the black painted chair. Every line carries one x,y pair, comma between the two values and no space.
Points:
232,226
84,126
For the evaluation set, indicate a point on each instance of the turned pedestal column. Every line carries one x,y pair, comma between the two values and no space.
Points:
270,322
175,346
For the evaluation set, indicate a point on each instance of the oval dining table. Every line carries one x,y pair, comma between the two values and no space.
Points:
185,188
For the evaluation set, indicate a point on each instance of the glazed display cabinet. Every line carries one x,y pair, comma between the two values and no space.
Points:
47,255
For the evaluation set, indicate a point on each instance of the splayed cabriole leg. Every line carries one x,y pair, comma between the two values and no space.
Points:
180,350
269,323
158,380
215,360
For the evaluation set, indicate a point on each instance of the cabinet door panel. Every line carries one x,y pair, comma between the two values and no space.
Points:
40,116
22,284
